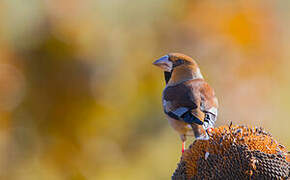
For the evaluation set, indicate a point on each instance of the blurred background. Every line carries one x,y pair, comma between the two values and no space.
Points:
80,99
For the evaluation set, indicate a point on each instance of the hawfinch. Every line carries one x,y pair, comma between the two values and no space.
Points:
189,102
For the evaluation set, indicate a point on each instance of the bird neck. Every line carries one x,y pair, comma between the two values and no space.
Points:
167,76
181,74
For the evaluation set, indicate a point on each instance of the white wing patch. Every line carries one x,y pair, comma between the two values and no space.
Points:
180,111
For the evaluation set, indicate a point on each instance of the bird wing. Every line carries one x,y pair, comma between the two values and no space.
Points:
184,98
209,105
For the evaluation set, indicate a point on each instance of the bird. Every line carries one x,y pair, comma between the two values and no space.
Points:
189,102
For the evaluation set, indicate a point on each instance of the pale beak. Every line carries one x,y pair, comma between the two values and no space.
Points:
164,63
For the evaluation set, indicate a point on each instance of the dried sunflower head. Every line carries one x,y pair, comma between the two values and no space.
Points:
234,152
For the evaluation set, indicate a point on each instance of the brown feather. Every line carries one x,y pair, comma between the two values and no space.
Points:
186,88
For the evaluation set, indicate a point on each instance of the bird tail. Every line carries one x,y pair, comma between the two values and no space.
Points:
198,131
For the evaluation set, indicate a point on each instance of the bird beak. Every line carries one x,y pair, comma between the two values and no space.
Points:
164,63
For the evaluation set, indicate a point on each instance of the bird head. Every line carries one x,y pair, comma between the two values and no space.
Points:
178,67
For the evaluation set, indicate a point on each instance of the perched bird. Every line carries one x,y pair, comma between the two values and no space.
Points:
189,102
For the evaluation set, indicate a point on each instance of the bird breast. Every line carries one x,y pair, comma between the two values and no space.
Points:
180,126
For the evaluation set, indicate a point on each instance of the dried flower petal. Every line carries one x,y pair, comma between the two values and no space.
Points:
236,152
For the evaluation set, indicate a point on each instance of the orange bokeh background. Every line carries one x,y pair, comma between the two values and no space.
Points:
80,99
